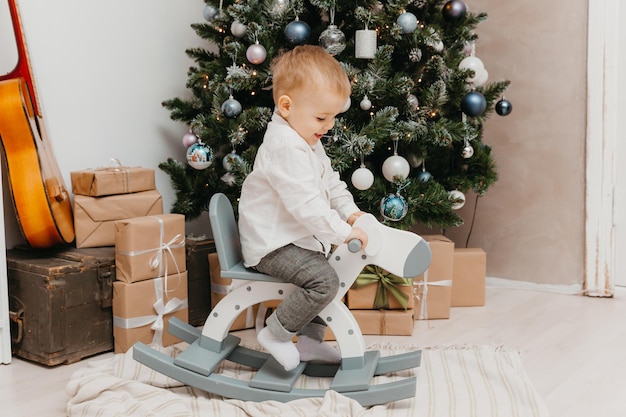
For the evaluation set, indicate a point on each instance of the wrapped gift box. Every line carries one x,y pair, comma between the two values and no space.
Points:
149,247
199,275
385,322
220,287
377,289
437,280
468,278
432,299
137,317
112,180
95,217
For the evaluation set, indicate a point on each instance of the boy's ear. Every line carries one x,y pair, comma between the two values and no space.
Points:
284,105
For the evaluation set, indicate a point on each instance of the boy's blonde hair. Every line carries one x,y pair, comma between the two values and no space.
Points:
308,66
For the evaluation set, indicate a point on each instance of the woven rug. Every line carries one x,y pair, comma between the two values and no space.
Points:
455,381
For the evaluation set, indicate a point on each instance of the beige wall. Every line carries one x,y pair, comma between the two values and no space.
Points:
531,222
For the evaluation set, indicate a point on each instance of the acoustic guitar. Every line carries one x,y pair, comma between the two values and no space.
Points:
41,201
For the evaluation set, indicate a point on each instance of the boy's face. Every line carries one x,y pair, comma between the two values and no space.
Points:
311,115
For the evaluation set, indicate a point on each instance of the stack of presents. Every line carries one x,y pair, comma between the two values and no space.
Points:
133,269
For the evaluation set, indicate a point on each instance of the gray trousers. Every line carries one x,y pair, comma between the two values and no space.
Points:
318,283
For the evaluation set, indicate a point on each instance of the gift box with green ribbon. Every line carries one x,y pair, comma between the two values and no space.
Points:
378,289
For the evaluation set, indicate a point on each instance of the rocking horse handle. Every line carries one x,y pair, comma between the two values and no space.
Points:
354,245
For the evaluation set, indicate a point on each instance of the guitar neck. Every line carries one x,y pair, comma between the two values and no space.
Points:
22,69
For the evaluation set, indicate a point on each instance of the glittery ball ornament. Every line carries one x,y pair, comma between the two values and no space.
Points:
407,22
332,40
393,207
297,32
256,54
468,151
231,108
199,156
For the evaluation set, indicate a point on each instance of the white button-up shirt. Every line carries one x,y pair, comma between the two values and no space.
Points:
293,196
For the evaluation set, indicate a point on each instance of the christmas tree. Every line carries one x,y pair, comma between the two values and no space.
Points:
409,144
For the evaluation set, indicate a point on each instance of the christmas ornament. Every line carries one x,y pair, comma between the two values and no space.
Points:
454,10
393,207
365,44
457,195
473,104
229,159
415,55
396,166
238,29
481,78
472,63
278,7
424,176
332,40
504,107
297,32
210,12
362,178
231,108
413,101
256,53
365,104
346,106
468,151
407,22
199,155
189,139
228,179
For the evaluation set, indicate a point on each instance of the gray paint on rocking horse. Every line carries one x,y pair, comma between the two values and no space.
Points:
418,260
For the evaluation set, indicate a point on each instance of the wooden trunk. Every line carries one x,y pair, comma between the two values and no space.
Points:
60,302
199,280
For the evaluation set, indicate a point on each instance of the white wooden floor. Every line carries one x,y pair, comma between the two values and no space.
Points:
573,348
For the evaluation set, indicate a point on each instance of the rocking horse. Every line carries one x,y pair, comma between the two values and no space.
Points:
400,252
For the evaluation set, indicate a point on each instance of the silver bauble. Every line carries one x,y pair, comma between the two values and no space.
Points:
468,151
332,40
256,54
395,166
407,22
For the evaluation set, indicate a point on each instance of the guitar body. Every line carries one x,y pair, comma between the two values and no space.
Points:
41,201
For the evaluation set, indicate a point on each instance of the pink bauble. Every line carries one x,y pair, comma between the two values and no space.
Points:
189,139
256,54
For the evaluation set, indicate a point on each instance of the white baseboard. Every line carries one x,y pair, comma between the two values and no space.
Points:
573,289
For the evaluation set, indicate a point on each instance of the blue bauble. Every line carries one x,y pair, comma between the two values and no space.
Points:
230,159
297,32
231,108
473,104
393,207
407,22
424,176
504,107
199,156
210,12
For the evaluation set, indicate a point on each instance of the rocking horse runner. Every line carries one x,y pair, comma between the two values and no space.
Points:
400,252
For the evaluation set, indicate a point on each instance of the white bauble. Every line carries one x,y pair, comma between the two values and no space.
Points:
365,104
238,29
396,166
457,195
362,178
346,106
481,78
472,63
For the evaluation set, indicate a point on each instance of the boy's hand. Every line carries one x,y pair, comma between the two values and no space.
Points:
355,216
358,233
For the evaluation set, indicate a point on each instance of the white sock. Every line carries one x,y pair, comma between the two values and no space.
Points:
314,350
284,352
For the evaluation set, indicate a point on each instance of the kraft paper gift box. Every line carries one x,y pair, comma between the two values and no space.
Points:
385,322
468,278
432,299
112,180
220,287
142,310
376,289
438,279
149,247
95,217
